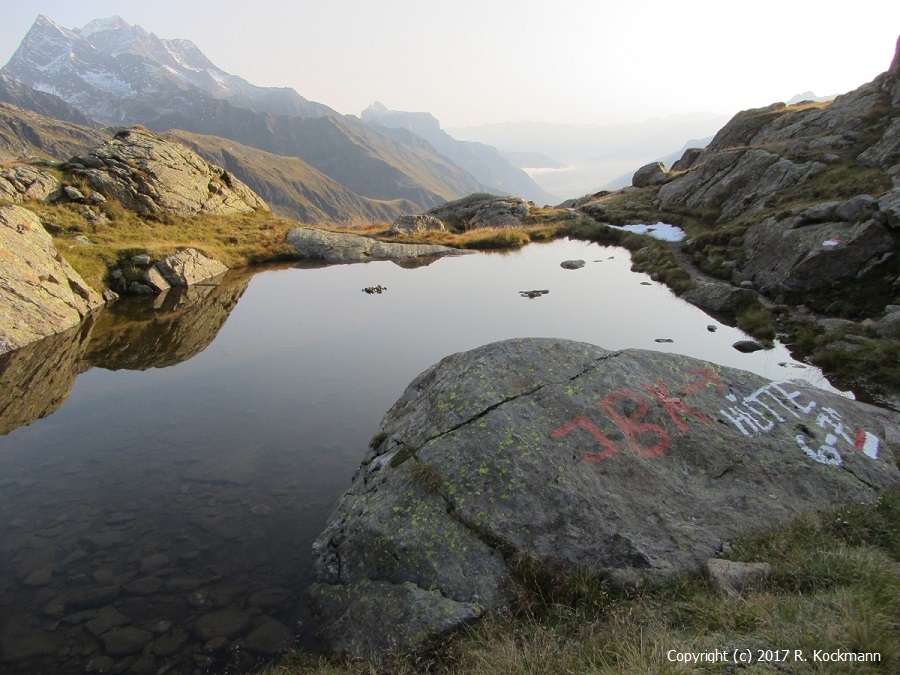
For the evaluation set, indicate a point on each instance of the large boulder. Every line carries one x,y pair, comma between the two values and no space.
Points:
650,174
483,210
149,174
189,267
343,247
40,293
630,466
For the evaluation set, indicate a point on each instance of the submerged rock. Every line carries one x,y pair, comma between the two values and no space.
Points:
629,465
747,346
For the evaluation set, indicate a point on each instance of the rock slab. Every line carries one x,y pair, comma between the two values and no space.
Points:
628,465
22,182
343,247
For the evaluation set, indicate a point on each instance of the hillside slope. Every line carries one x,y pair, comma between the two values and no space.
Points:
24,133
293,188
290,186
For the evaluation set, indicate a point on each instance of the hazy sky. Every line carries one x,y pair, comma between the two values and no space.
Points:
471,62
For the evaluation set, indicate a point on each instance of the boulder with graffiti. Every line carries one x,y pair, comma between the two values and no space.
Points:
629,465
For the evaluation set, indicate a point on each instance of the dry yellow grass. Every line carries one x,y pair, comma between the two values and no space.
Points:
235,240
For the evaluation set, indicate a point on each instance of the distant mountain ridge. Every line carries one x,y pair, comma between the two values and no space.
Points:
120,74
809,96
483,161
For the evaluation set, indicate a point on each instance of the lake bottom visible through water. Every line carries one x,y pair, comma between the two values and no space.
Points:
166,468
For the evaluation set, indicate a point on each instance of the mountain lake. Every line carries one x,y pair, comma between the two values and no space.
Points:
165,467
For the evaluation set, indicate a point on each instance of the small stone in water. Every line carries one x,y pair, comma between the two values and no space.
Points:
163,626
572,264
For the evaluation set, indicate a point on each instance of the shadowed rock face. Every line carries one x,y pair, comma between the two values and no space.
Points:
40,292
149,174
629,465
789,255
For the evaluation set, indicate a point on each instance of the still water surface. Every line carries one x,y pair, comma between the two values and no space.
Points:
167,499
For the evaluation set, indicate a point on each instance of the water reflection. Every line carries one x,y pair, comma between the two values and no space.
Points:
181,324
131,334
176,488
35,380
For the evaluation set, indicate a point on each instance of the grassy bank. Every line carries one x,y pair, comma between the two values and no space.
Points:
120,234
834,585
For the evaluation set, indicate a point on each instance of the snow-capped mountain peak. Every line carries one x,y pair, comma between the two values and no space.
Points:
101,25
110,69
